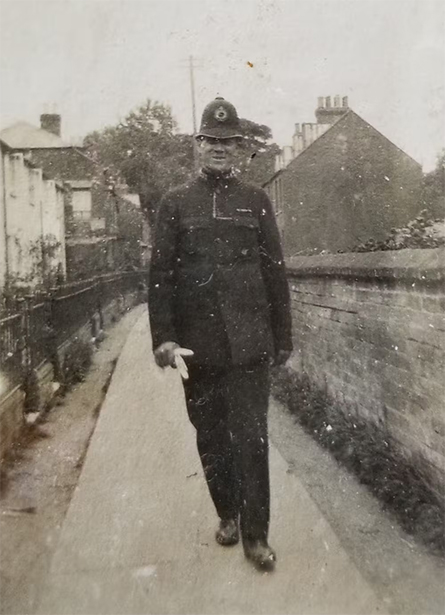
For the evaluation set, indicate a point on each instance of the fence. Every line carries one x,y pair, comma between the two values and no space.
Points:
11,350
43,323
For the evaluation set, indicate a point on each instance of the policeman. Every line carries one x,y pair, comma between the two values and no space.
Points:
218,289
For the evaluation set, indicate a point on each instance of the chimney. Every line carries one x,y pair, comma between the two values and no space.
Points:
320,102
51,122
288,154
307,134
329,114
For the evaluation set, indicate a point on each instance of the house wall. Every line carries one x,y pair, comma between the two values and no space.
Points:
34,211
350,185
53,223
23,216
61,196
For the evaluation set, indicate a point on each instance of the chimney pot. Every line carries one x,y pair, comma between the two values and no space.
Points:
320,102
297,128
328,102
51,122
345,101
337,101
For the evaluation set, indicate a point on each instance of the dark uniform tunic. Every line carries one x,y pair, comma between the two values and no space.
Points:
218,287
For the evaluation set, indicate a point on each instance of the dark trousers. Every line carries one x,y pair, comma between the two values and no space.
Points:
228,408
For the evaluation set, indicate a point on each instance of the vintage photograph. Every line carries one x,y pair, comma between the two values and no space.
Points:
222,307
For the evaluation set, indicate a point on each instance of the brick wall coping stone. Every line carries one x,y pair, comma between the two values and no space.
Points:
420,265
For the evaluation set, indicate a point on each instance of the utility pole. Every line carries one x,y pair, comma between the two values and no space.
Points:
191,67
192,85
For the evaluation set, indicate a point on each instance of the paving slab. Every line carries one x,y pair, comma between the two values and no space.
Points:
139,534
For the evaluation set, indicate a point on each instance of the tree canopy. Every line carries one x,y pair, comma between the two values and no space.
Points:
433,194
145,151
259,160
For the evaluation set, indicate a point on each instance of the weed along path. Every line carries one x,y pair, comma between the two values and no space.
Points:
135,531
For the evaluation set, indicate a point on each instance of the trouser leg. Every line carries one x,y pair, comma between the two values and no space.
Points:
207,409
247,398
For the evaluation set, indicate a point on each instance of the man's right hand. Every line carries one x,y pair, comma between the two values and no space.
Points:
165,354
170,354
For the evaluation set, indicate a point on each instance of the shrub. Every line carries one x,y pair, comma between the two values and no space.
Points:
77,361
422,232
31,388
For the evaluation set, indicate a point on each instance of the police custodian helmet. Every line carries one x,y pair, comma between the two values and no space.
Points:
220,120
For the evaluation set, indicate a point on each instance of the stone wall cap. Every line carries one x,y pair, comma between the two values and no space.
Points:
409,264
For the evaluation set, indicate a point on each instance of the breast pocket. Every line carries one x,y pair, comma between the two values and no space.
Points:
245,237
196,236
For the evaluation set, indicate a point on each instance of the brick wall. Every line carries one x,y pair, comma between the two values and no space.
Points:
370,328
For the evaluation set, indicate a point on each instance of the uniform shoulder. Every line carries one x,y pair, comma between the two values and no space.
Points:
253,190
256,196
180,190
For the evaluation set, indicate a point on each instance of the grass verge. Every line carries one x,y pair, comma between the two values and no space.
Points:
370,453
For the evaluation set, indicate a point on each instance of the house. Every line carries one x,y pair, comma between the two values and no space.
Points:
32,224
341,183
91,205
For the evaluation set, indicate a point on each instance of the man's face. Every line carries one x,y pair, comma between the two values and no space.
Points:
218,155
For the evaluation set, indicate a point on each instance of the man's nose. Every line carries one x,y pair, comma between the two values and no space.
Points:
218,146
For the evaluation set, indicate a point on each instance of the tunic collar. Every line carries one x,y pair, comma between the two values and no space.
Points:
216,178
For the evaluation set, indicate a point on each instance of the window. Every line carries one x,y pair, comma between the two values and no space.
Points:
81,202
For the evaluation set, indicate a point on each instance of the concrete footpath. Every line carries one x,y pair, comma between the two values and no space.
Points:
139,534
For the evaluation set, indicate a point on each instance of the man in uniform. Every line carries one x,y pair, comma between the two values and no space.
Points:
218,288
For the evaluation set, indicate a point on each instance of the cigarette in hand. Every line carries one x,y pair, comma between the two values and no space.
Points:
180,364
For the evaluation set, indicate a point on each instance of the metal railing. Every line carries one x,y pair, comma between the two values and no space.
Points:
12,343
43,323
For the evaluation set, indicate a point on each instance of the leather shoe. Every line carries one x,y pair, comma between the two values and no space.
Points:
261,555
227,533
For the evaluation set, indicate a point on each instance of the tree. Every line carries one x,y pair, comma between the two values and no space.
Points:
260,154
146,152
433,192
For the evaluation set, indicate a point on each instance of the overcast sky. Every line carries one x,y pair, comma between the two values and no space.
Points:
98,59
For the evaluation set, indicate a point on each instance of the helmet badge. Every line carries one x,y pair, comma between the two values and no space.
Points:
221,114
